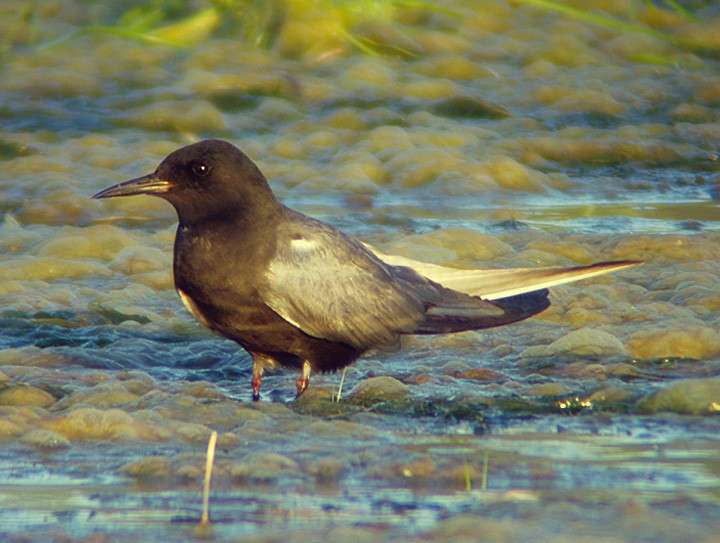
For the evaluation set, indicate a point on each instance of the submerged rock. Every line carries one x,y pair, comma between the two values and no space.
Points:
469,107
25,395
685,340
687,396
265,469
45,440
587,342
379,388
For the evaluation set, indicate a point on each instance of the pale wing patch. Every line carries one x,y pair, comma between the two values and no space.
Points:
497,284
303,245
330,287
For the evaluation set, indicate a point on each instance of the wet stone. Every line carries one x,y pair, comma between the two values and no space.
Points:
45,439
138,387
549,389
25,395
686,340
478,528
379,388
30,356
341,429
325,405
192,432
90,423
189,473
688,396
469,107
326,470
351,534
586,342
454,367
479,374
267,468
102,396
228,441
198,116
203,389
150,467
610,396
9,429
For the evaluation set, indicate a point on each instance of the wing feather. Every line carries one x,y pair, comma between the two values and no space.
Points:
497,284
335,288
331,287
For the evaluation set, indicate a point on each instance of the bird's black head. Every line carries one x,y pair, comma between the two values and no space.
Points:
208,179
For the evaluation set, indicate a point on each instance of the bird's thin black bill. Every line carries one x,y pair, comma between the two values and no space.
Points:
148,184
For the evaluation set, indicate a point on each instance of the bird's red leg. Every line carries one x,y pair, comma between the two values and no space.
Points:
304,380
256,380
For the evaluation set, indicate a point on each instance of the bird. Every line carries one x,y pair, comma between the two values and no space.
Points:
296,292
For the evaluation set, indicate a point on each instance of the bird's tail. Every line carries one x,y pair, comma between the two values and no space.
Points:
496,284
476,314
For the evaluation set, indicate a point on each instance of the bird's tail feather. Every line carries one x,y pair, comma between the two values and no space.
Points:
483,314
499,284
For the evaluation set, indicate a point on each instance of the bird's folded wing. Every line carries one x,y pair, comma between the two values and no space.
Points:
496,284
332,288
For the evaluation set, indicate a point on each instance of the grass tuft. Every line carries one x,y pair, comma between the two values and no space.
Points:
210,460
486,466
468,475
336,396
629,26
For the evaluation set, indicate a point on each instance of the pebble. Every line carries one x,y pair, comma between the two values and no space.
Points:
147,468
173,115
46,440
610,395
479,374
192,432
104,395
92,423
469,527
9,429
586,342
326,470
25,395
379,388
687,396
683,340
266,469
342,429
549,389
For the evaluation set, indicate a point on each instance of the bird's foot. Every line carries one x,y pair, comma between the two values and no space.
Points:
302,385
304,380
256,382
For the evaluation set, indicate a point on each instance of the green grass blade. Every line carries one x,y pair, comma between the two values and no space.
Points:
602,20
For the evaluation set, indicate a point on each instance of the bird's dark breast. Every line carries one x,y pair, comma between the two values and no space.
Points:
223,296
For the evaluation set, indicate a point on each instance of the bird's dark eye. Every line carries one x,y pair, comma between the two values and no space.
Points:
200,169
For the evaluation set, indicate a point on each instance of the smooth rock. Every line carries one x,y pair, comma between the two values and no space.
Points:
25,395
45,439
379,388
587,342
687,396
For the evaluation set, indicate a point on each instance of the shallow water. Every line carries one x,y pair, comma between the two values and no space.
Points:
503,137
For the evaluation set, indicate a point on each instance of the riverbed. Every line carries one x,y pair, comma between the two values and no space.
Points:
482,135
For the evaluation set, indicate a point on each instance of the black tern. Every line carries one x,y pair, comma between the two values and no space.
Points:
296,292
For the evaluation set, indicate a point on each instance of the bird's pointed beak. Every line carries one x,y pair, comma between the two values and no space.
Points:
147,184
